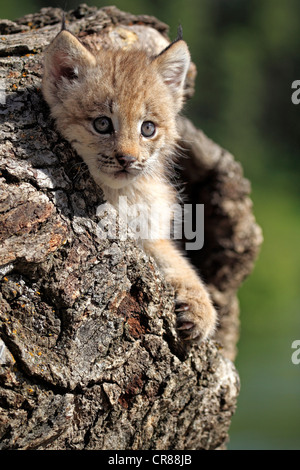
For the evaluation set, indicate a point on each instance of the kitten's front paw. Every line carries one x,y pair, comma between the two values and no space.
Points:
196,317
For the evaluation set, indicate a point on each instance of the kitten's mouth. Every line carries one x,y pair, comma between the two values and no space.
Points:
121,174
125,173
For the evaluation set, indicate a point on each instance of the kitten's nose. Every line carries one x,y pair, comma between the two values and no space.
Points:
125,160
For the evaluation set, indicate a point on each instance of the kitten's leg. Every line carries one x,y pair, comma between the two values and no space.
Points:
196,316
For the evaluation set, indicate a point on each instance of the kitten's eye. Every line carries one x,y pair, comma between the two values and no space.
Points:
103,125
148,129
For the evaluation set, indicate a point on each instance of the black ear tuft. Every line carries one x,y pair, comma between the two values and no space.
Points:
63,22
179,38
179,34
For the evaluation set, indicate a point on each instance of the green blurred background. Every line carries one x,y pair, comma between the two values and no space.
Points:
247,55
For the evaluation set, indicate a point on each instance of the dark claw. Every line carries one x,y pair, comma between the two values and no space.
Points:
187,328
186,325
194,336
181,307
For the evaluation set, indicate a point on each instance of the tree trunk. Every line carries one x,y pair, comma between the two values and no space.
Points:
89,355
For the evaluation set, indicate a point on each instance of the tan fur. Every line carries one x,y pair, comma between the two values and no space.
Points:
129,88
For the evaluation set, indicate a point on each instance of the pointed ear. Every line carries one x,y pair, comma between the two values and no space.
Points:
173,64
65,58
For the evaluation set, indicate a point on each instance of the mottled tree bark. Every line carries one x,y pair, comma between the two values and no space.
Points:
89,355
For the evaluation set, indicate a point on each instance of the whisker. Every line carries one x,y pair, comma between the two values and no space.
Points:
80,175
185,140
76,164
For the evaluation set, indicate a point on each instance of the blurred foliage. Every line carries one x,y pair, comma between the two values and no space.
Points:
246,52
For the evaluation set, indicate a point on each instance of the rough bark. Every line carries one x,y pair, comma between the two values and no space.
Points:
89,356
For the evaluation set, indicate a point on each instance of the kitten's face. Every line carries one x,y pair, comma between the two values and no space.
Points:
116,109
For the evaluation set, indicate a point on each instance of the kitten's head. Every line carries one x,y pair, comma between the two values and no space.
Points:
116,107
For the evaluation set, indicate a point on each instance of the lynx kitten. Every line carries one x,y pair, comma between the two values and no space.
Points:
118,110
